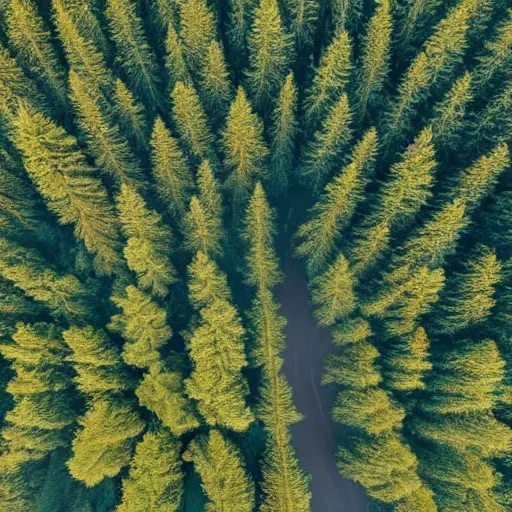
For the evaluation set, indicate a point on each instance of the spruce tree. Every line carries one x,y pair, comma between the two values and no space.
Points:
149,240
192,123
244,147
416,19
224,479
270,50
327,147
373,68
302,18
155,481
175,64
344,13
284,131
69,184
172,174
104,140
133,51
335,208
31,40
238,27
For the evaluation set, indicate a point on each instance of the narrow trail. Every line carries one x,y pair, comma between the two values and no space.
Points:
306,347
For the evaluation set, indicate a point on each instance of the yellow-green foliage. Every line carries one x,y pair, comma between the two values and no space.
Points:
155,481
223,477
175,64
303,17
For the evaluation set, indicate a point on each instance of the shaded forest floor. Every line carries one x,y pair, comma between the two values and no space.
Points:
314,437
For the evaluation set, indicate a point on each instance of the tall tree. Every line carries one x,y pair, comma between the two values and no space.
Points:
245,148
344,13
133,51
227,485
302,18
31,40
283,133
155,481
238,28
149,240
69,184
172,174
270,50
177,68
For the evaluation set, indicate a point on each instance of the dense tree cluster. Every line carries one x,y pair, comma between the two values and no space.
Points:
155,159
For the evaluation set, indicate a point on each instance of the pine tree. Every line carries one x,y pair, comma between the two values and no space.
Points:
133,51
335,208
417,17
192,123
15,86
69,185
147,250
329,144
344,13
238,27
303,17
31,40
441,53
155,481
197,31
329,82
384,465
245,148
224,479
333,294
175,64
63,294
270,51
351,330
449,114
166,14
103,445
171,171
215,85
97,362
283,134
370,410
43,399
470,301
373,68
407,363
104,140
131,116
216,382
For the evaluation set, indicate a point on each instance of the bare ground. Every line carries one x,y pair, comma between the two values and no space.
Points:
307,345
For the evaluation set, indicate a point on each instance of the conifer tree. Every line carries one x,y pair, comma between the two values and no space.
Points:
63,294
133,51
171,171
166,13
332,292
302,18
238,27
416,15
330,79
224,479
442,51
351,330
327,147
175,63
192,123
43,399
103,445
384,465
131,115
284,132
31,40
449,114
197,31
373,68
97,362
470,301
215,85
467,379
335,208
245,148
104,140
407,363
15,86
270,50
69,185
155,481
147,250
344,13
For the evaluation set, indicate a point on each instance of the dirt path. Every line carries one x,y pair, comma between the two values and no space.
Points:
307,345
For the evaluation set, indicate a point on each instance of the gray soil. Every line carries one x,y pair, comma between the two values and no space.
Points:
306,347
